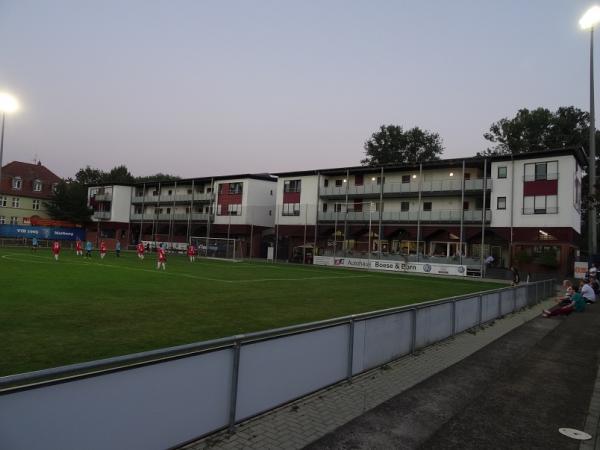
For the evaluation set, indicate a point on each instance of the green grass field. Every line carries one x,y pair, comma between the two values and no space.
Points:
57,313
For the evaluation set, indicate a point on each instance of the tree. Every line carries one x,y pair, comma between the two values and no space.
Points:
119,175
69,202
538,130
89,176
392,145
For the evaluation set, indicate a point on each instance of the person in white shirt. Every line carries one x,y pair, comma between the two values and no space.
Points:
587,292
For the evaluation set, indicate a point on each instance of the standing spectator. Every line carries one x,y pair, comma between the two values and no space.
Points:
586,291
118,249
516,276
162,258
78,249
592,271
56,249
34,244
140,250
102,249
191,252
88,249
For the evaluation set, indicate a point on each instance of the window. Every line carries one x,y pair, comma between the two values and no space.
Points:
404,206
138,210
37,186
465,206
337,207
208,190
2,220
405,179
234,210
155,192
338,183
158,210
235,188
3,201
379,180
170,192
291,209
292,185
324,207
36,205
502,172
270,212
501,203
576,194
541,171
358,180
189,192
17,183
271,192
540,204
325,182
14,220
15,202
467,176
427,206
168,210
54,186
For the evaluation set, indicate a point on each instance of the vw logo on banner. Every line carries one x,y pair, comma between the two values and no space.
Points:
426,268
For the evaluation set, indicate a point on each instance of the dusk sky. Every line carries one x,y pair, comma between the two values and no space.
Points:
201,88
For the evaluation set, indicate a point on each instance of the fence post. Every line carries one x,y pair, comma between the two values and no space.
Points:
480,309
234,383
453,317
413,341
499,305
514,292
350,350
537,297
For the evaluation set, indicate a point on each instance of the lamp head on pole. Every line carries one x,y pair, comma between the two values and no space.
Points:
591,18
8,103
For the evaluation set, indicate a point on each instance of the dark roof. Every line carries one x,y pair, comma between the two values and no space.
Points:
473,161
253,176
28,174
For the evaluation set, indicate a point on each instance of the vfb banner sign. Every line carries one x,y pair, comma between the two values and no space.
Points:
50,233
392,266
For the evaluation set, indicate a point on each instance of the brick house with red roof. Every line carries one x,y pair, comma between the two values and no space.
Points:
24,187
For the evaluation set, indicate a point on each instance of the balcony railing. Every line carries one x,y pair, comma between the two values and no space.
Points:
447,185
443,215
533,177
547,210
153,199
149,217
103,197
101,215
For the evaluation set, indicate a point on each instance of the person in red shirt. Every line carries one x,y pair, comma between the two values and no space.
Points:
78,248
162,257
56,249
191,252
102,249
140,250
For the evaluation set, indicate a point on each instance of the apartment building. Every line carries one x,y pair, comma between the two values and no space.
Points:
24,188
523,210
236,207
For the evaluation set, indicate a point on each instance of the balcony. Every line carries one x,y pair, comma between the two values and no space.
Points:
395,188
182,198
149,217
103,197
101,215
443,215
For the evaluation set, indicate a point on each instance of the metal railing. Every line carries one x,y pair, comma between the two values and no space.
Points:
103,197
446,185
164,198
104,215
200,388
447,215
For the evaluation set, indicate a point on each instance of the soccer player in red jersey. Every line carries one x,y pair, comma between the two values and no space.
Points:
162,257
78,248
56,249
140,250
102,249
191,252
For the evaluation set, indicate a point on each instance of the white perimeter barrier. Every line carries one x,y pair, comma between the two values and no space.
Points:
165,398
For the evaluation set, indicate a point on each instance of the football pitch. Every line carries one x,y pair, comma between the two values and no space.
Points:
76,310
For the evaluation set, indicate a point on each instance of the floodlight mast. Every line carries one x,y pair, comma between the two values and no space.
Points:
8,105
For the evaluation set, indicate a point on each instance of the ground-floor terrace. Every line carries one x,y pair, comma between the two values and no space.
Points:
531,250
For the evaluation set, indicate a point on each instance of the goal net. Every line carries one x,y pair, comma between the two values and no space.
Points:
221,248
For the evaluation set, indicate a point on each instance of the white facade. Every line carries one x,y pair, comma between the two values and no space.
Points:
307,214
118,198
564,211
257,207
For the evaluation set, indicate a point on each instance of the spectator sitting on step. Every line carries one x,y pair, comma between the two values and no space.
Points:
577,303
566,299
595,285
587,291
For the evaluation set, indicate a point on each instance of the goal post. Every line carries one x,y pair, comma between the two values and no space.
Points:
218,248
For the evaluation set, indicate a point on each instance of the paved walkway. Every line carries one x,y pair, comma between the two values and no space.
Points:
516,393
300,423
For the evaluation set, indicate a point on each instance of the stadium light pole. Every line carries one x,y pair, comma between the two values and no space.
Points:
8,105
587,22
